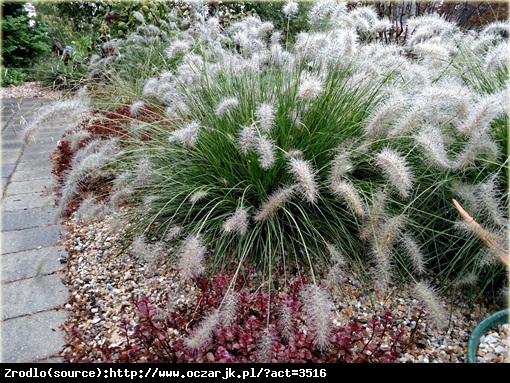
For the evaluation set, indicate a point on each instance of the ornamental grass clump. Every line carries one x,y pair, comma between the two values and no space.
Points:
271,157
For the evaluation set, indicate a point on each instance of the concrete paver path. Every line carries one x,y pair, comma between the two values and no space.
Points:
32,255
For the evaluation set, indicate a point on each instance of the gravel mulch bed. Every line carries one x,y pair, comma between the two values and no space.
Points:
31,90
102,285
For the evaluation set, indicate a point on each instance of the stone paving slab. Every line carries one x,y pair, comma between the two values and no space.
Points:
33,337
43,164
7,168
31,263
37,156
24,175
27,201
4,183
25,219
40,185
33,295
29,239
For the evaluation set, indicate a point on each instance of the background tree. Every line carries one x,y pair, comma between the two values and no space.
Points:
24,41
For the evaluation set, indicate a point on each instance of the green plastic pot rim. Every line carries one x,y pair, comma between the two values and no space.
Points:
492,321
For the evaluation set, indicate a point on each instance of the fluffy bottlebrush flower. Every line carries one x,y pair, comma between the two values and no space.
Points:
381,118
489,203
408,122
473,148
317,313
376,213
340,166
139,16
178,47
286,320
324,10
414,253
346,191
265,114
225,105
150,89
305,177
119,195
138,246
431,50
136,107
186,136
237,222
467,279
90,209
396,170
173,232
76,106
143,171
191,256
431,141
77,137
496,57
247,138
290,8
433,307
274,202
479,120
197,196
388,232
382,272
228,309
265,345
89,163
310,87
265,151
365,18
202,336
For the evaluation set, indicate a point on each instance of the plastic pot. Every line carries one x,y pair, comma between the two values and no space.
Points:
492,321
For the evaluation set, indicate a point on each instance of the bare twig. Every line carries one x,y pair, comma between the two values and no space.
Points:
485,238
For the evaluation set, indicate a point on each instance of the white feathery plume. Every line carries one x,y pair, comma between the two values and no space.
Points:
265,345
136,107
305,176
414,253
197,196
346,191
247,138
265,151
202,336
265,114
76,106
479,120
434,309
274,202
380,119
396,170
317,313
237,222
191,257
290,8
310,87
340,166
431,141
77,137
225,105
229,308
187,135
490,205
